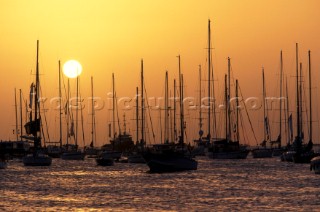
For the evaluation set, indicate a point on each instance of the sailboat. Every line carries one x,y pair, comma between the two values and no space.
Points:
135,156
55,150
91,150
72,152
299,152
304,153
226,148
118,143
263,151
33,126
200,143
171,157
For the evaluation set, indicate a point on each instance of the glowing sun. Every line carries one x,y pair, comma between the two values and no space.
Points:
72,69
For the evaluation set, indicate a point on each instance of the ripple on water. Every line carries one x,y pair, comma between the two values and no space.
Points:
251,184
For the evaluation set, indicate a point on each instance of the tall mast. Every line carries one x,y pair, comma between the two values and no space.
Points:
68,113
237,111
92,115
36,139
297,93
16,113
300,96
60,106
280,115
287,111
310,94
77,111
226,103
137,114
113,110
142,104
166,121
182,113
209,80
181,100
228,99
174,110
20,114
264,106
200,103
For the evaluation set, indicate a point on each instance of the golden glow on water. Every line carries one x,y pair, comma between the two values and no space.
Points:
265,184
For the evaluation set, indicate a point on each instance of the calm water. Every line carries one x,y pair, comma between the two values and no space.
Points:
251,184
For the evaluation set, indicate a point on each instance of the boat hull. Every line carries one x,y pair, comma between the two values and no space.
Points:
315,165
229,155
305,157
105,161
262,153
72,156
116,155
3,165
37,160
160,163
136,158
288,156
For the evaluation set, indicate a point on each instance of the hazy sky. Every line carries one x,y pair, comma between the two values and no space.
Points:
113,36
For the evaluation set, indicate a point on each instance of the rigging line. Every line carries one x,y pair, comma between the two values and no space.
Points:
305,105
119,127
45,118
244,132
153,135
254,135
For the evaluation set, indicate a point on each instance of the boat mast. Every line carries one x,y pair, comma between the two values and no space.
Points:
137,113
237,111
166,121
142,104
181,101
287,111
20,114
113,110
226,105
68,113
36,138
174,110
92,115
209,81
60,106
182,113
200,104
297,93
228,99
300,96
76,140
16,113
280,115
310,95
264,106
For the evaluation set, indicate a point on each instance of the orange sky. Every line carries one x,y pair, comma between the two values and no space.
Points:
113,36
